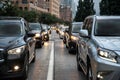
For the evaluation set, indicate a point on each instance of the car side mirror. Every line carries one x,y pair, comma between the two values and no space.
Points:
84,33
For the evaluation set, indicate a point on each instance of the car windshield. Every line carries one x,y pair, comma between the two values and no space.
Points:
76,28
45,27
107,27
34,26
10,28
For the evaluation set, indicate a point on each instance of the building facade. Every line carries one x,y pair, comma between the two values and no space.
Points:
66,13
53,7
47,6
29,5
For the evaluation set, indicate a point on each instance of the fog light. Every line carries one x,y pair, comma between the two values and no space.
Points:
46,43
100,75
45,36
16,68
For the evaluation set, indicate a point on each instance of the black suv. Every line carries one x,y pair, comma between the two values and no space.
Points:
98,53
71,36
17,48
37,30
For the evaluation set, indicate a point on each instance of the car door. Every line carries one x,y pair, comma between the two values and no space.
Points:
31,43
84,42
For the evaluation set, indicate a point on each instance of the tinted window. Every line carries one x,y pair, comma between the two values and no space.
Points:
76,28
45,27
10,28
35,26
107,27
88,25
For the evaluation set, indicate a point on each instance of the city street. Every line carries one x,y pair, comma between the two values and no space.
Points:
64,64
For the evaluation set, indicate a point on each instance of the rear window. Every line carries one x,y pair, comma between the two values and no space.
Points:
76,28
34,26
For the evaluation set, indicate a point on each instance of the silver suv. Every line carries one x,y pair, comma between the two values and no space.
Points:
98,54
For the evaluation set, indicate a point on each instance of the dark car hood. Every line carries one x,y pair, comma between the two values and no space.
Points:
8,41
112,43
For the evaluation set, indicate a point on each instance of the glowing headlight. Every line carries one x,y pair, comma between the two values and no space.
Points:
62,33
74,38
37,35
16,50
107,55
44,33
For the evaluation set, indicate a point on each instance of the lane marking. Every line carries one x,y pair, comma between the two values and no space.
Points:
51,63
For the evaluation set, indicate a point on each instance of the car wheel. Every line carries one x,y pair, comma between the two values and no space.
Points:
89,72
40,46
34,56
25,72
69,50
78,60
64,41
67,46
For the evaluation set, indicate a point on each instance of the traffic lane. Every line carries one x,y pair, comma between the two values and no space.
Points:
65,64
39,69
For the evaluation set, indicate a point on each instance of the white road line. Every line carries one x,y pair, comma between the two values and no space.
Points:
51,63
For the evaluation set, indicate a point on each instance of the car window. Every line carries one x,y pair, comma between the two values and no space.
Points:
112,28
35,26
10,28
45,27
76,28
88,25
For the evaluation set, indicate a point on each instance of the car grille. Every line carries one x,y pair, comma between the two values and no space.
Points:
1,54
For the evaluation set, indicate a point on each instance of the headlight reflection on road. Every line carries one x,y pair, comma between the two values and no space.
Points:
45,43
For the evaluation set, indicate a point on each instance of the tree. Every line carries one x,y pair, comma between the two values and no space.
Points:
110,7
30,16
84,9
7,9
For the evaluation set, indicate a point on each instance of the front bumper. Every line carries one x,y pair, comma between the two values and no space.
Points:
105,70
72,45
7,68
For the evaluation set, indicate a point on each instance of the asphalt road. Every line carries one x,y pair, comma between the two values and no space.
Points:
61,66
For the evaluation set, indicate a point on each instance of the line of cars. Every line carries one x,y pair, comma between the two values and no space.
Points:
17,46
41,32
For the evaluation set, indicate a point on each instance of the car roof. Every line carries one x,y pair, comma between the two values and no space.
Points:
104,17
77,22
33,23
108,17
11,19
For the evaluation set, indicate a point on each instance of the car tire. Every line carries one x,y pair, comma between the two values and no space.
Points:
67,46
78,65
69,50
89,71
40,46
64,41
25,72
34,56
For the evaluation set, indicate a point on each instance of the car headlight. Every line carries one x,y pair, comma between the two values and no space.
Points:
62,33
15,53
37,35
44,33
107,55
74,38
